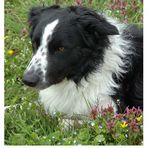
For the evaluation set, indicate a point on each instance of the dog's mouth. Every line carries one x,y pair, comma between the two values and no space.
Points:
38,86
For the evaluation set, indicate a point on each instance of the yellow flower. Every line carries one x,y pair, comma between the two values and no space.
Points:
139,118
10,52
124,124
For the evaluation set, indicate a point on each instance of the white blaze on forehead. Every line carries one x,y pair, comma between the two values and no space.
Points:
39,60
48,31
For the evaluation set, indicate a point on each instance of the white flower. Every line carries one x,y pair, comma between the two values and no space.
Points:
92,124
75,133
74,141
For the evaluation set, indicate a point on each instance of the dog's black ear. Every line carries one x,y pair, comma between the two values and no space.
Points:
35,13
95,23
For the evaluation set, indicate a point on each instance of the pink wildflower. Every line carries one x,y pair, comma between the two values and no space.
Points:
110,124
94,112
78,2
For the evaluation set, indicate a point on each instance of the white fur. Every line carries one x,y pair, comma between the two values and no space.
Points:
41,54
67,97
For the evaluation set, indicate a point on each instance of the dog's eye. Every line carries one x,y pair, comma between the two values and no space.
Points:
60,49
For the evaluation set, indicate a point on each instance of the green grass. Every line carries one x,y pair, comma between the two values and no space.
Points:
27,122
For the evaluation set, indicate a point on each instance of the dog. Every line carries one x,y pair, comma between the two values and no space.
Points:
82,59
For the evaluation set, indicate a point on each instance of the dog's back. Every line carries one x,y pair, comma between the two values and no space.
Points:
131,85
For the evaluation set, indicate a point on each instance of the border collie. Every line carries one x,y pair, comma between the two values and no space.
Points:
82,58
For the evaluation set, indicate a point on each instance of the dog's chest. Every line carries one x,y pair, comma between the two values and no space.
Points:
69,99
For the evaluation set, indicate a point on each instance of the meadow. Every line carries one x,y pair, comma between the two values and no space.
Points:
26,122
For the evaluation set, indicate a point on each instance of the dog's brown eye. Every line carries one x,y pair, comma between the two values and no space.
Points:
61,49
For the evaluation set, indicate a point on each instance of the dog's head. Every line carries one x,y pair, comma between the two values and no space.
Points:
67,43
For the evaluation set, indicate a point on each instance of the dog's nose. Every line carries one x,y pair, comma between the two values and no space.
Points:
30,78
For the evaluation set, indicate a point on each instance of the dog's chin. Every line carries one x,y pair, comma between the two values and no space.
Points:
44,85
41,87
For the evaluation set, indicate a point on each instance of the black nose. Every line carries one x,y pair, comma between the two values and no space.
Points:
30,79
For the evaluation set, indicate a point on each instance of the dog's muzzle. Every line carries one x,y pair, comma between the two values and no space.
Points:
30,78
